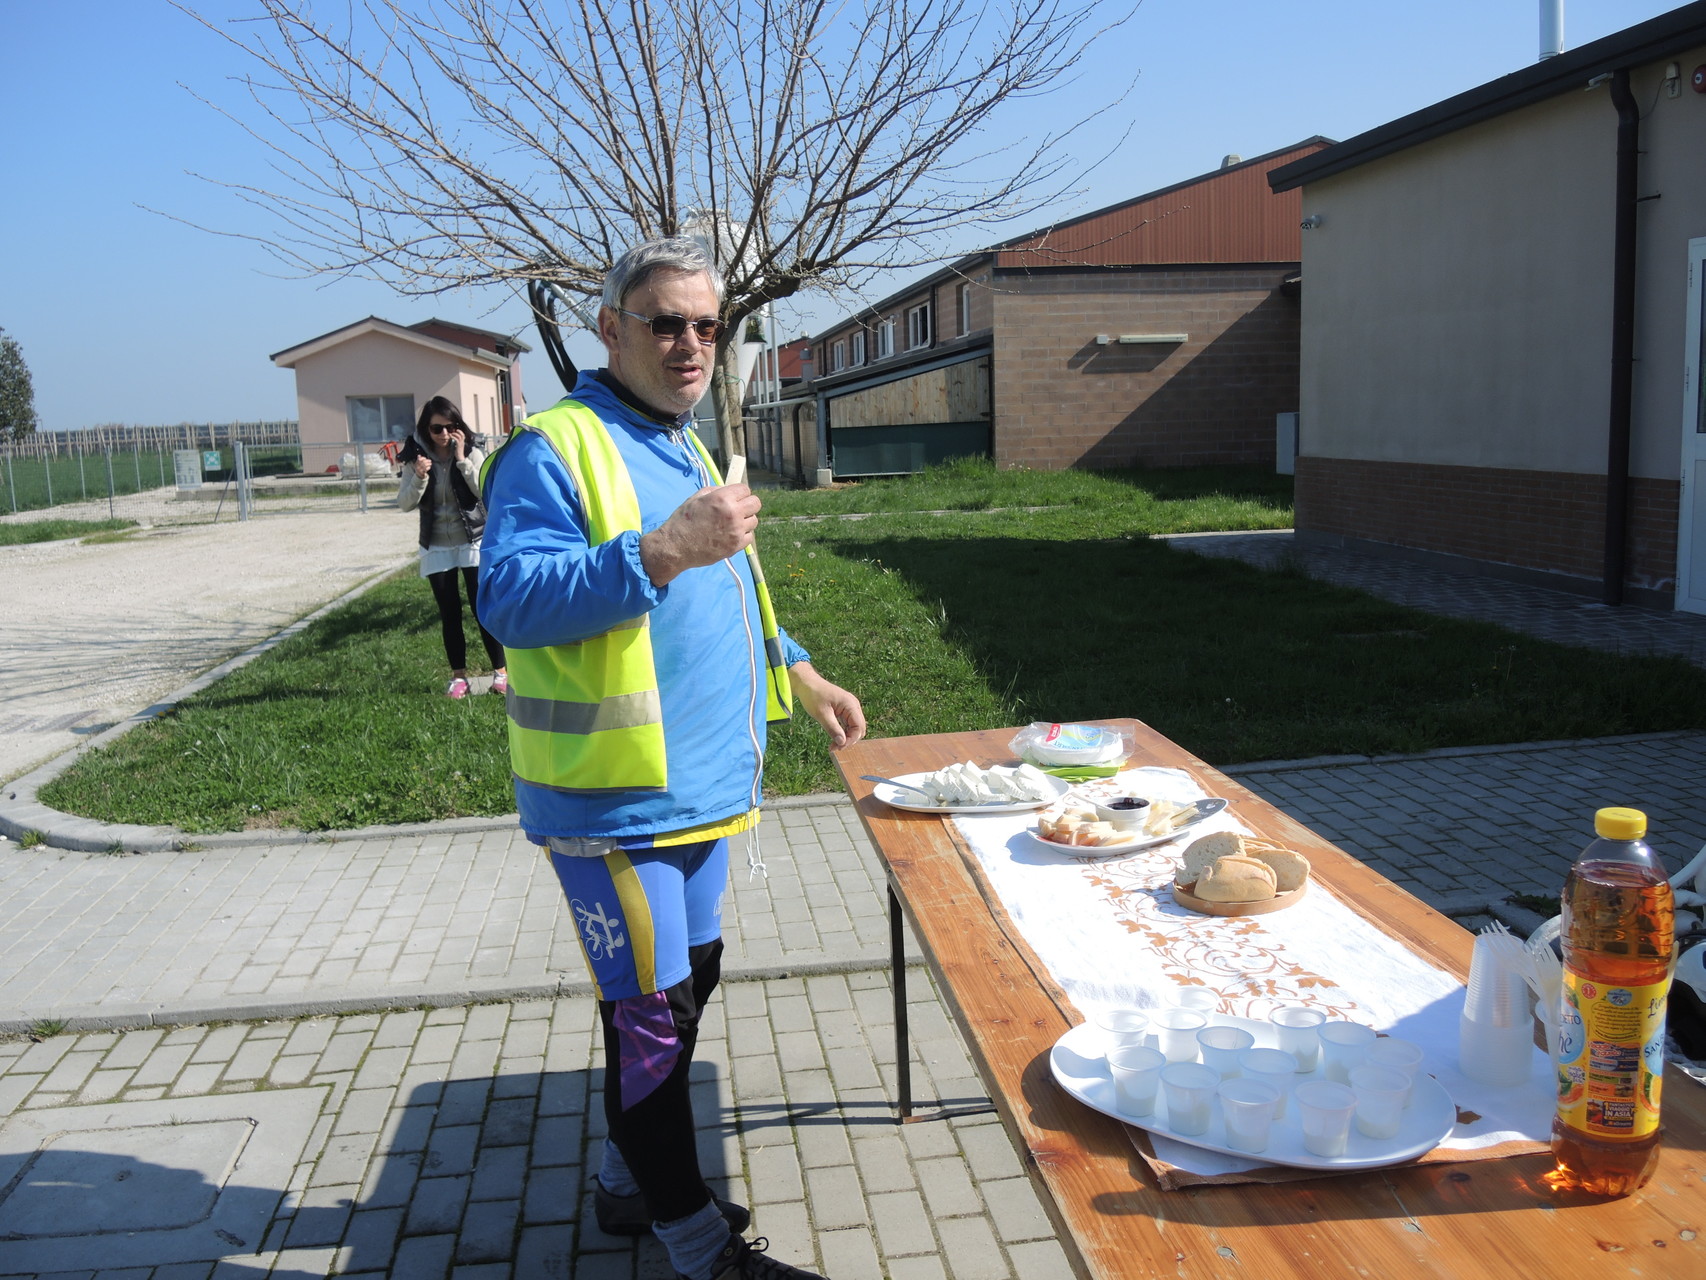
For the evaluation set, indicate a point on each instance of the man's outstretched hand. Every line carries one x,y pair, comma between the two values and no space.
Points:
837,710
710,526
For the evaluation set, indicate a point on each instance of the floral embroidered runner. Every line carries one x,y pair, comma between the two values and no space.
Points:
1109,933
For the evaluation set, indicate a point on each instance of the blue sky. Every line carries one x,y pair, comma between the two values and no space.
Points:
127,316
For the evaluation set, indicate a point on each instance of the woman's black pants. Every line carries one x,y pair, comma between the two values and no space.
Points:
450,617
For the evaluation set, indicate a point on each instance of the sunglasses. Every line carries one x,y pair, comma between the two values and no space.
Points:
436,427
670,326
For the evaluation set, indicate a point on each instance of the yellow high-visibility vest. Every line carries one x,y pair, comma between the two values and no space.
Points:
587,716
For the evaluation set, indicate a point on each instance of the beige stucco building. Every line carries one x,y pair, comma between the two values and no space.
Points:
366,383
1463,391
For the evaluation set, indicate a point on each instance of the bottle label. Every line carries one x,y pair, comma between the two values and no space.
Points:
1611,1057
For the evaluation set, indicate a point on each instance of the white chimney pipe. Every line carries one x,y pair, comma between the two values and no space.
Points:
1551,28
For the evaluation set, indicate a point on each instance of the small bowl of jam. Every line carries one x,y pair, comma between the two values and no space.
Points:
1124,813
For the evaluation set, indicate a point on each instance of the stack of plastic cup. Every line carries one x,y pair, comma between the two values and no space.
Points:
1496,1032
1190,1090
1221,1047
1274,1066
1324,1112
1137,1075
1176,1032
1380,1093
1400,1055
1296,1025
1343,1047
1248,1108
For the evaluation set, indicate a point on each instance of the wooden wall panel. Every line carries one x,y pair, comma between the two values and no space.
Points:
958,393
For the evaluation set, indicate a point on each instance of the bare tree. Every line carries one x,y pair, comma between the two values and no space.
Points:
438,144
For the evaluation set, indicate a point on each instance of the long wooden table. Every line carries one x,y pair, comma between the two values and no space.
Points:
1493,1218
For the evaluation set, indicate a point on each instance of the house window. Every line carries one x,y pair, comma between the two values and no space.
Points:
375,419
964,301
859,347
885,338
918,326
838,357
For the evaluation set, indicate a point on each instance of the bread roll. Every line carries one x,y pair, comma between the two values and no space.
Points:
1235,880
1290,869
1203,852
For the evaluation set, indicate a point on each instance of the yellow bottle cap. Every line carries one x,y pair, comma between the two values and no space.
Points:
1620,824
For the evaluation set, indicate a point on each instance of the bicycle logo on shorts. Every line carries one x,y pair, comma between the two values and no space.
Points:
603,934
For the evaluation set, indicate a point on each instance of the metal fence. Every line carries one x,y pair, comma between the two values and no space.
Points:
249,474
48,469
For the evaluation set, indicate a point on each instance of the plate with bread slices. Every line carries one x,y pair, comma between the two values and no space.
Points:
1077,827
1226,873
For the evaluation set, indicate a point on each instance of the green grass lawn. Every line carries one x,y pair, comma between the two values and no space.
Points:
12,535
938,623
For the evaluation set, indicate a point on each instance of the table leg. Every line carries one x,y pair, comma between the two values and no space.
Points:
897,980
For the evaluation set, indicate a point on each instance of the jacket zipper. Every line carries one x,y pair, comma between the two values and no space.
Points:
756,792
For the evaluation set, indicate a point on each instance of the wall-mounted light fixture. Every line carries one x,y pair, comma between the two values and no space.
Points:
1131,339
1313,221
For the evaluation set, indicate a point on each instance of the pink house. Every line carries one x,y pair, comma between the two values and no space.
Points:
366,382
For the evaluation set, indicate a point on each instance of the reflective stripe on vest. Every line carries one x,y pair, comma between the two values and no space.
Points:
586,717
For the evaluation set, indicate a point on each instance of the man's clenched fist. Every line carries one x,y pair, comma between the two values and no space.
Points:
710,526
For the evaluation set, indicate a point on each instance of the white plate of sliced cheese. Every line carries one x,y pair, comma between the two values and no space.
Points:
969,789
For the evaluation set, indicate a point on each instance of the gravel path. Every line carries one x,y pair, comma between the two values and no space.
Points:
93,633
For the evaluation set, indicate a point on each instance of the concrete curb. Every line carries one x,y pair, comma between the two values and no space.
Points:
114,1016
21,812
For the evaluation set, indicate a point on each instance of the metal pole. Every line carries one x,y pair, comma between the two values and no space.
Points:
238,461
136,458
361,473
47,470
111,513
82,481
897,979
11,484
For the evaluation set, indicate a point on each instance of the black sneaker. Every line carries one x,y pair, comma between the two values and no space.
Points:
627,1216
745,1260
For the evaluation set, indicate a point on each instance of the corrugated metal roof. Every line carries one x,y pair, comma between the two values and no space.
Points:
1229,215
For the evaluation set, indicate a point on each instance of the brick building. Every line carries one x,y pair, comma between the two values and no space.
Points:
1162,330
1501,355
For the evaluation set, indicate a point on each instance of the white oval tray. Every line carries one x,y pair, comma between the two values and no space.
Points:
1080,1068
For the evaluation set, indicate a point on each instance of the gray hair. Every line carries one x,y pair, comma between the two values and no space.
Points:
673,253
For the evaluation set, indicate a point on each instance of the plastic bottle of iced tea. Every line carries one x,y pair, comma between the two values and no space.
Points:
1619,940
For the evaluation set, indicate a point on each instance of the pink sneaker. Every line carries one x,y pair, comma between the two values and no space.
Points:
458,688
500,682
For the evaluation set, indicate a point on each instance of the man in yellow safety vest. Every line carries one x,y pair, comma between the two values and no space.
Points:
645,662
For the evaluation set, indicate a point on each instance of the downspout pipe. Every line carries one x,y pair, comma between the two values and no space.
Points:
1622,339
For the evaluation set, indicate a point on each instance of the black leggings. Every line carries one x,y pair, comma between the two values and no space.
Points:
655,1135
450,617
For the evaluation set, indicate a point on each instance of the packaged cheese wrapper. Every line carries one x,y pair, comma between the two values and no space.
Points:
1072,745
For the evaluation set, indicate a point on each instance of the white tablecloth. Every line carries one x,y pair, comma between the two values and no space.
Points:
1109,933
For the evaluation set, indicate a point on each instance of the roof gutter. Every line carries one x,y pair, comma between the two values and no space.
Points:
1622,338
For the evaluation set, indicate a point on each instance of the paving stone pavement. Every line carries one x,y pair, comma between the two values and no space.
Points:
454,1141
1548,614
459,1142
432,917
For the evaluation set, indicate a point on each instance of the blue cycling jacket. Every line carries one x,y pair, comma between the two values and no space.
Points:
541,584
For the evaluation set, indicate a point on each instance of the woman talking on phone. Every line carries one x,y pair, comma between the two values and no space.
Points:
441,479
